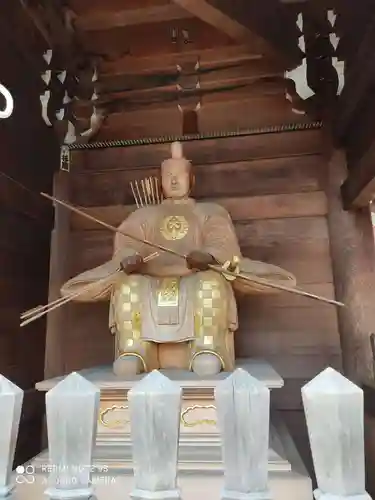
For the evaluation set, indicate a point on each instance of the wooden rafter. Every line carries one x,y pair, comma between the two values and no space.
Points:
18,30
105,20
207,57
243,19
359,188
226,70
56,29
359,81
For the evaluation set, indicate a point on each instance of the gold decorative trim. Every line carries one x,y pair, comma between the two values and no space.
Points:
113,394
174,227
207,351
168,293
202,421
121,423
117,423
233,266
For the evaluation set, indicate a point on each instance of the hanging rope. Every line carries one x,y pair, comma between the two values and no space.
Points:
273,129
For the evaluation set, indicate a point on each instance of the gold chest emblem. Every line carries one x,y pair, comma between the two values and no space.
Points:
174,227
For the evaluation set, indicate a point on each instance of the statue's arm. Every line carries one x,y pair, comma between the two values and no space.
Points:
96,284
127,245
220,239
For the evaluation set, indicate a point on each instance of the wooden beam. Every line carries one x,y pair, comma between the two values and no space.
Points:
58,273
207,57
270,206
105,20
168,97
359,188
131,86
243,19
281,145
358,82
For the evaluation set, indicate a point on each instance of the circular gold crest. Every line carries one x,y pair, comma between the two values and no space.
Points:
174,227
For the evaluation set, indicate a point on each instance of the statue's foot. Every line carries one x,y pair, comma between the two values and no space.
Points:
127,366
206,365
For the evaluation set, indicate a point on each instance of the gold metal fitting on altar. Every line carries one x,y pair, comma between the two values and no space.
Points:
118,423
200,421
233,266
135,355
207,351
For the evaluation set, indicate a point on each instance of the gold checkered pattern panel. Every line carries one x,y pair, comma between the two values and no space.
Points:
210,311
127,311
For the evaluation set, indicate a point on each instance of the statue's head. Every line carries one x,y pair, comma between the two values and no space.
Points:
176,174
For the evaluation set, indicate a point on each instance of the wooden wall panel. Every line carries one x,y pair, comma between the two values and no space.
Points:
243,148
244,208
224,111
243,178
300,245
271,185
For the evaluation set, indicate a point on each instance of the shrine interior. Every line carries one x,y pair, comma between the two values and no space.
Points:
274,104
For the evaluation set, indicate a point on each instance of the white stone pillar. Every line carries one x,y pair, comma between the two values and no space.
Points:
11,398
243,409
334,415
72,414
155,409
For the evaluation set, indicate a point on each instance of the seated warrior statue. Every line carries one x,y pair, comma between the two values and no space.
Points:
173,312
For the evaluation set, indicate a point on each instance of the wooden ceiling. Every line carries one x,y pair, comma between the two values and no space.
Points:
120,69
147,54
165,61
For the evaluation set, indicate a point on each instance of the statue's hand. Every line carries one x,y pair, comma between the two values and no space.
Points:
199,260
131,264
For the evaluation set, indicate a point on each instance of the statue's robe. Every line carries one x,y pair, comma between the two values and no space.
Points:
169,303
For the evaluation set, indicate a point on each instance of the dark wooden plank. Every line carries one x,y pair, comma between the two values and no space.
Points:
271,145
262,304
250,178
102,20
135,39
303,366
244,208
287,334
369,435
18,231
133,92
300,330
358,190
369,399
59,261
14,196
225,54
220,111
300,245
29,153
245,18
360,134
358,82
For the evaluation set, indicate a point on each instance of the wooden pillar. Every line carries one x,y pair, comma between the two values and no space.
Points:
353,263
58,319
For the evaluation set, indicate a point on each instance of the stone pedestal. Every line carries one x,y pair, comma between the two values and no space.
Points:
200,444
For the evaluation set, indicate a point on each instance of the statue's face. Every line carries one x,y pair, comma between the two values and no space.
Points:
175,179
